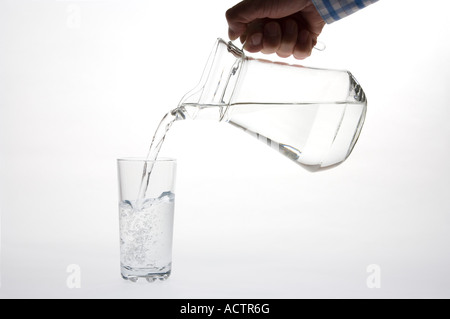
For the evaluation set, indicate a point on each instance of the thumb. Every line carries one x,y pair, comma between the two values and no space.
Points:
247,11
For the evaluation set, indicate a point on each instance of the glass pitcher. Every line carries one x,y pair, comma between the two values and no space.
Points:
313,116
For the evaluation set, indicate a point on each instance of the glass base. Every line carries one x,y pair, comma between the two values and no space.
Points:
151,275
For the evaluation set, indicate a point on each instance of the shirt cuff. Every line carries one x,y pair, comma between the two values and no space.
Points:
334,10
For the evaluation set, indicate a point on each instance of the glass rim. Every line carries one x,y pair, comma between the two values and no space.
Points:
143,159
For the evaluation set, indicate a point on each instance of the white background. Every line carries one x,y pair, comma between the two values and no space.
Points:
85,82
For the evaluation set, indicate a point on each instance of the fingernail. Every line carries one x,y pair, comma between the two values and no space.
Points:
231,34
256,39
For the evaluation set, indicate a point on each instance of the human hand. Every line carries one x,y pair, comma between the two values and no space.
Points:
285,27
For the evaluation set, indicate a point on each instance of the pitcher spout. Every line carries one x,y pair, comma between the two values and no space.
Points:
217,84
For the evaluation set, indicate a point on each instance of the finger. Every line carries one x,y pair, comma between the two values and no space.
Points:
249,10
256,26
243,38
272,37
254,36
304,45
239,16
289,38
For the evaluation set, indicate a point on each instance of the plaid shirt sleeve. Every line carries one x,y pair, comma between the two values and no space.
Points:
333,10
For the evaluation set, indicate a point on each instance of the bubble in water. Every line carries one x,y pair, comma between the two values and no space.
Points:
146,232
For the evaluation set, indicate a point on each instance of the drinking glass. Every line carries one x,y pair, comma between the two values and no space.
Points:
146,221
